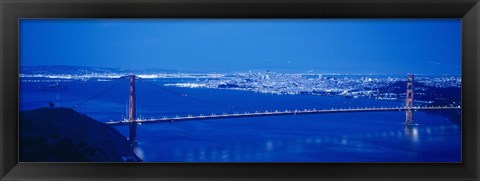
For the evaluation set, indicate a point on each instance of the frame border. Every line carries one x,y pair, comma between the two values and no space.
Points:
12,10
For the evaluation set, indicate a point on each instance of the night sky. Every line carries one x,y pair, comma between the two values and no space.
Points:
378,46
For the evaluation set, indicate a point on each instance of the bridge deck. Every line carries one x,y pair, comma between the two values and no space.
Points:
275,113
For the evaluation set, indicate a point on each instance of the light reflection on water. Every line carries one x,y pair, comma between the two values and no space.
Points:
139,152
411,132
240,152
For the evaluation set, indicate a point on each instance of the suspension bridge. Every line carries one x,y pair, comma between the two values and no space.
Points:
133,121
272,113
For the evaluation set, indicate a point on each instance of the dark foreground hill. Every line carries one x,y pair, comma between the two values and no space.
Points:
64,135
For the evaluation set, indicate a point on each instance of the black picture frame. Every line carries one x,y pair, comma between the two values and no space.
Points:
12,10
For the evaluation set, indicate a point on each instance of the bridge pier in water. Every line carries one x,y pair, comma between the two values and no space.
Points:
132,113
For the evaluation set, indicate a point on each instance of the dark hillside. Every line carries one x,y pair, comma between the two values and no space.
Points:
64,135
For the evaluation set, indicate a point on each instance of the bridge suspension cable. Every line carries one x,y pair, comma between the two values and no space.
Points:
96,95
190,97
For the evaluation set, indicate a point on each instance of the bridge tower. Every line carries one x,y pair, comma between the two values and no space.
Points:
409,100
132,112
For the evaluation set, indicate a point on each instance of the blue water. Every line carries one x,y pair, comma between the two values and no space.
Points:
335,137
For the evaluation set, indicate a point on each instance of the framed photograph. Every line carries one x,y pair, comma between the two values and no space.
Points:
240,90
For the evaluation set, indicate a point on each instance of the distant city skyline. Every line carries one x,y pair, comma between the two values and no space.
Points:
375,46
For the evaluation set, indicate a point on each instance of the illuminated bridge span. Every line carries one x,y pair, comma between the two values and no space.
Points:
274,113
132,120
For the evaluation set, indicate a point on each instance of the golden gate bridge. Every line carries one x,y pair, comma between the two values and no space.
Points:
133,121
